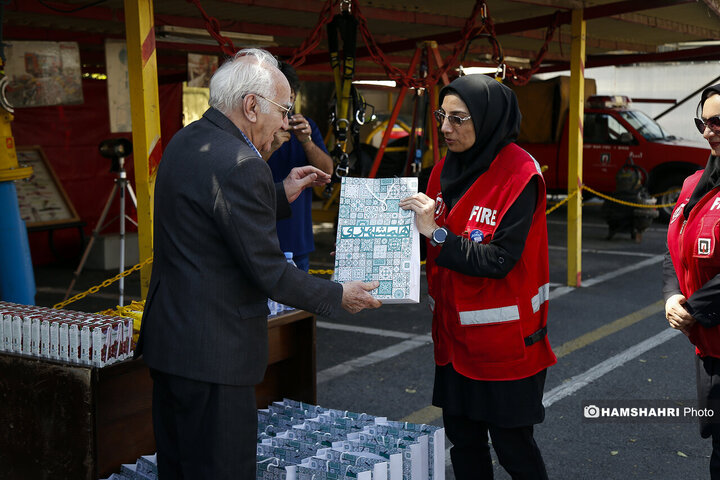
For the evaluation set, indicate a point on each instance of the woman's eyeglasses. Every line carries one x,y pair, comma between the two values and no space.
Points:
454,120
286,110
713,123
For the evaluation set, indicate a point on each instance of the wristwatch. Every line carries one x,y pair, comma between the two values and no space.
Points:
438,236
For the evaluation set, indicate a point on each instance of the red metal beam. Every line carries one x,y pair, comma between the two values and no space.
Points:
410,15
27,33
590,13
118,16
89,13
702,53
507,28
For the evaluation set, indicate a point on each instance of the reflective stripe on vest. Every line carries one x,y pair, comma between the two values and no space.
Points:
490,315
542,296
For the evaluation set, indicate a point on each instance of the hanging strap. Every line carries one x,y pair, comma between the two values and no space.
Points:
344,26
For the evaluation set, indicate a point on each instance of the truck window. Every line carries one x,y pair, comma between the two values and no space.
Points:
601,128
643,124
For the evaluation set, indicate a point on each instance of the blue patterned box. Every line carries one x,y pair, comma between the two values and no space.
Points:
377,240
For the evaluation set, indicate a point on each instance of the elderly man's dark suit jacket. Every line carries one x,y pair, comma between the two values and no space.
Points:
217,259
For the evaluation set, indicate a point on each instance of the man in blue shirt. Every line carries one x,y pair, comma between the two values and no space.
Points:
301,144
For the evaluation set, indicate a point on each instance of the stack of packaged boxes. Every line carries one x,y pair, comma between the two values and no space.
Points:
299,441
144,469
64,335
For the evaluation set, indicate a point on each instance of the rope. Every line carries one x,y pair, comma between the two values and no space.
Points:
104,284
467,34
321,272
522,76
139,266
552,209
400,77
623,202
313,40
212,25
672,190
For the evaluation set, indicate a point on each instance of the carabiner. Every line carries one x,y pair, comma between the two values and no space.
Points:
500,72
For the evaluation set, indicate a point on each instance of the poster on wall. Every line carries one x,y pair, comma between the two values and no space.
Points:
118,85
43,73
41,198
200,69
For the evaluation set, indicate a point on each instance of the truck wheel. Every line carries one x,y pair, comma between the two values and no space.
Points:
667,192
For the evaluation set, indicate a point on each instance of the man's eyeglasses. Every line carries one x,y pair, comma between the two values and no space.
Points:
455,120
286,109
713,123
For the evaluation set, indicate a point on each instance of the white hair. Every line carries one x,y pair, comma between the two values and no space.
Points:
249,71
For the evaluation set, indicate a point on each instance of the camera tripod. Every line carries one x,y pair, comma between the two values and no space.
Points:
116,149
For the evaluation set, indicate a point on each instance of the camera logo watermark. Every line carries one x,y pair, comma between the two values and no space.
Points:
656,411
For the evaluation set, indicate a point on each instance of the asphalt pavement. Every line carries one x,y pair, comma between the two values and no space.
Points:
610,335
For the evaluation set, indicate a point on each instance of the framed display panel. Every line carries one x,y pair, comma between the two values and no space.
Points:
43,73
42,199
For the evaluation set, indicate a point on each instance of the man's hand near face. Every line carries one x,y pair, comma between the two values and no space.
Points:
280,137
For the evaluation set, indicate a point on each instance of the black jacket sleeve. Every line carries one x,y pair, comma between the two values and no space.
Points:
671,286
703,305
497,258
282,205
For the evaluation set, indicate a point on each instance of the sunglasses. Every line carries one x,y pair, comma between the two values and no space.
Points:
286,109
454,120
713,123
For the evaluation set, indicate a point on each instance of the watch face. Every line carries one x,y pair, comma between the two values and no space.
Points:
439,235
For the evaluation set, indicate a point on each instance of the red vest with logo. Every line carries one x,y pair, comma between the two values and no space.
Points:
693,245
480,325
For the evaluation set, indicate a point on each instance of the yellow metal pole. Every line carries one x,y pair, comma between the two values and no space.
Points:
145,106
575,149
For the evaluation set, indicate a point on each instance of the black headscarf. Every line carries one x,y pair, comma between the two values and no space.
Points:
496,118
710,177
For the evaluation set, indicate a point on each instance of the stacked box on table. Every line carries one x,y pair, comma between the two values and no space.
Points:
392,455
319,467
336,444
145,468
66,336
436,444
377,240
377,464
270,468
132,472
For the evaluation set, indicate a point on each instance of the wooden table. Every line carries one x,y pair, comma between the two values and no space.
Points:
61,421
291,362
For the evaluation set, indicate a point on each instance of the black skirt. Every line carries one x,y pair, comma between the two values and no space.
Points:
506,404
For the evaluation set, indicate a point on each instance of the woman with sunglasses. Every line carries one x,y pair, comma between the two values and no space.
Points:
487,270
691,270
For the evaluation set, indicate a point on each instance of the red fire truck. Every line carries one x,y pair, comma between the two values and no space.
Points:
615,133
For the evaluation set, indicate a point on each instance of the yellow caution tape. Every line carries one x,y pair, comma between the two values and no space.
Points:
622,202
104,284
131,312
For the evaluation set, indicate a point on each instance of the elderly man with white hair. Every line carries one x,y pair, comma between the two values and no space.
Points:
216,262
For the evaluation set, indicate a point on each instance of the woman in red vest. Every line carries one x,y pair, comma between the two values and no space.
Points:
691,270
488,281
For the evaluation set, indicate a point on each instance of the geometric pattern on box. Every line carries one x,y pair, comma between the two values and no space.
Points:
377,240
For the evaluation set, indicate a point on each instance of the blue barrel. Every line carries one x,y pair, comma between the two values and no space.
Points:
17,282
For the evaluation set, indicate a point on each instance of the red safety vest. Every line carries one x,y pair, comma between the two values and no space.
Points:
692,243
485,326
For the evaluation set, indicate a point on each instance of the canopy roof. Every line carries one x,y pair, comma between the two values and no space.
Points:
618,32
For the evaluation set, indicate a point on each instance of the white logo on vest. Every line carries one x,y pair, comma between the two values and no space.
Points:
703,246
